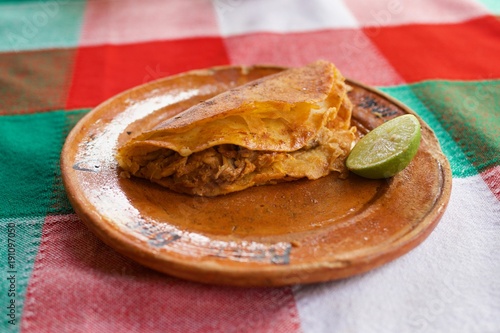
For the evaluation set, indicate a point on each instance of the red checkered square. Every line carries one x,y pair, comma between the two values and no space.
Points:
103,71
81,285
351,51
492,179
127,21
463,51
398,12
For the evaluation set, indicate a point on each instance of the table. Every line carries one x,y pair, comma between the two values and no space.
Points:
60,58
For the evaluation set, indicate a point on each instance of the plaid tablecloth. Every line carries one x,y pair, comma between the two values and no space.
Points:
61,58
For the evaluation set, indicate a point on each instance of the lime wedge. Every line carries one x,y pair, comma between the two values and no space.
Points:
387,149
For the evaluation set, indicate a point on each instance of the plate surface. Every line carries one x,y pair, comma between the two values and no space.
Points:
297,232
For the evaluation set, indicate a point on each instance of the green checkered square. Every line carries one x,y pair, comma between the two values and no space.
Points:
30,178
32,25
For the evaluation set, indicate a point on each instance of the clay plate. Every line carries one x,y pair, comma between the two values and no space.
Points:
298,232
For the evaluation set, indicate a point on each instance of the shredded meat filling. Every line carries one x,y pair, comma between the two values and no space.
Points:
216,165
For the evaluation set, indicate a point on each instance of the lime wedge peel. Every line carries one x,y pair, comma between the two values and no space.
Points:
387,149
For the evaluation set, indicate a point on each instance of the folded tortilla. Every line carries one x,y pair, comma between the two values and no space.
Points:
287,126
